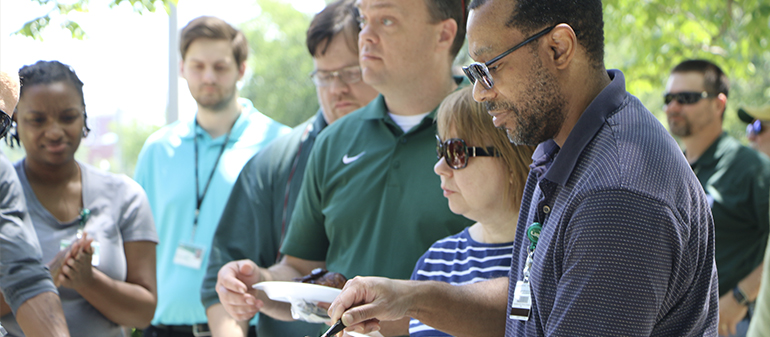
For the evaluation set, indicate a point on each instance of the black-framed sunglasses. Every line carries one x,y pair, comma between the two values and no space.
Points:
456,152
754,128
685,97
5,123
478,71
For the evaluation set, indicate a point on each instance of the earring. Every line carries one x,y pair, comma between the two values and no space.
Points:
12,135
85,131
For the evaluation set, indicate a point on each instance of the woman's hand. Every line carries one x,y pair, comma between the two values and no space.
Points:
76,271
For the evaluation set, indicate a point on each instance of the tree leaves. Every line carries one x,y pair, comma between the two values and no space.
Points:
34,27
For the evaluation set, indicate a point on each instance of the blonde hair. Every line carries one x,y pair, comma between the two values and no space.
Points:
473,124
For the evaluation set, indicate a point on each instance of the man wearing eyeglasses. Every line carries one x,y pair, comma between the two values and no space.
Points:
259,209
736,180
614,236
370,203
24,279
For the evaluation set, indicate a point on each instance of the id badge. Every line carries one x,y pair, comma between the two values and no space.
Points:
189,255
95,258
522,302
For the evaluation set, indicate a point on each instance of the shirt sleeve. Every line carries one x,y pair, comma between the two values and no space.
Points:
136,221
306,236
623,255
245,230
22,272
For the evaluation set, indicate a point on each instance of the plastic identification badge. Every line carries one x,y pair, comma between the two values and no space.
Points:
64,244
189,255
522,302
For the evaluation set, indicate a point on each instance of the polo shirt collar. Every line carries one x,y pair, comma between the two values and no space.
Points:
319,123
185,130
714,152
606,103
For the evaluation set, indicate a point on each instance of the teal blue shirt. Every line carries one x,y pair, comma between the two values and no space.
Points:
166,171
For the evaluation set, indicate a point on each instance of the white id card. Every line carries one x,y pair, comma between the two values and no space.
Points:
522,302
189,255
95,245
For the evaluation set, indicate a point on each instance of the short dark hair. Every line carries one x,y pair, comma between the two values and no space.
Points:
440,10
338,17
214,28
715,81
47,72
584,16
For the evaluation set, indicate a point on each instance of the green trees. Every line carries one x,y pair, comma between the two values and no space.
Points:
279,63
34,27
645,39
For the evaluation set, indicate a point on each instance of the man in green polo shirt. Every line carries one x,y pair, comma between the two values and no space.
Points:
735,179
370,203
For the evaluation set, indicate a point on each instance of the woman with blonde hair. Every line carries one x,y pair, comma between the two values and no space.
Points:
482,176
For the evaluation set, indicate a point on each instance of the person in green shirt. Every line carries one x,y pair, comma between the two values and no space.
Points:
759,138
370,203
260,205
736,180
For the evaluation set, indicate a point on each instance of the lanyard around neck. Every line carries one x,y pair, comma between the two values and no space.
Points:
198,196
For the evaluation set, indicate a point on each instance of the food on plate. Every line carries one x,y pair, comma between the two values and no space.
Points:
324,277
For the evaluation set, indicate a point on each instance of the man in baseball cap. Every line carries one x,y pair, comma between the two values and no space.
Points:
759,121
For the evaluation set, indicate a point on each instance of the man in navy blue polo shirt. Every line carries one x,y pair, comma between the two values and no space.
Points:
614,238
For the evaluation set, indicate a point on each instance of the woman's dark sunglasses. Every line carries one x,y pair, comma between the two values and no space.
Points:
5,123
456,153
754,128
685,97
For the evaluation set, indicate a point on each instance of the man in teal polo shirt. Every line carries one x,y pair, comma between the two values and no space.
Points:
188,169
736,180
370,203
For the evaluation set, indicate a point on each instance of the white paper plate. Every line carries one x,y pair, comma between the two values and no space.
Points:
286,291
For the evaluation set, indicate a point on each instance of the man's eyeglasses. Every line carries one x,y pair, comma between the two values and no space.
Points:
347,75
754,128
456,153
477,71
5,123
685,97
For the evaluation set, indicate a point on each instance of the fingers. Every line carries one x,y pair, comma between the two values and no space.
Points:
364,327
242,306
228,277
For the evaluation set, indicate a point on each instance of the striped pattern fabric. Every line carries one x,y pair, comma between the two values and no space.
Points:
627,247
459,260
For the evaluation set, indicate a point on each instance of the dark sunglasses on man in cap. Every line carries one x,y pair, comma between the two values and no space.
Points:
456,153
754,128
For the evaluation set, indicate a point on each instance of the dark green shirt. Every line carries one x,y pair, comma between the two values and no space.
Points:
258,212
371,203
736,180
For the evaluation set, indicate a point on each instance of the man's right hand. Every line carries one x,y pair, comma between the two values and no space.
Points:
365,301
233,287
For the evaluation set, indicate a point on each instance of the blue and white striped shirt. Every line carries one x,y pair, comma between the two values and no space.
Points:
459,260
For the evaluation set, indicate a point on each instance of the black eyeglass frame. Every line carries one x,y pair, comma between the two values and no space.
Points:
478,71
5,123
469,151
685,98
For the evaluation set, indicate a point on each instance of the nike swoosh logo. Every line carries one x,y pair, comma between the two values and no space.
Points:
347,160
